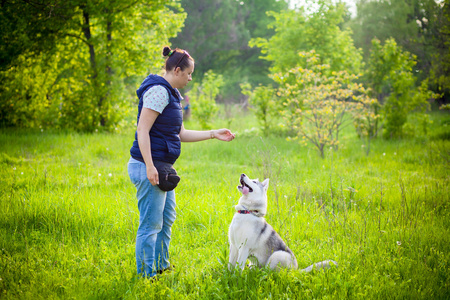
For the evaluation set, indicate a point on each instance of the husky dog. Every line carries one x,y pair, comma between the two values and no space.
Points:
251,236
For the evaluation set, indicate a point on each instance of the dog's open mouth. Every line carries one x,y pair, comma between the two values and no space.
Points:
245,188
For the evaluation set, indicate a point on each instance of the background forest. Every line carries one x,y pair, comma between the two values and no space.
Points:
76,64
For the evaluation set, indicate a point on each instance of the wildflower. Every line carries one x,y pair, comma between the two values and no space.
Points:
99,174
399,243
110,175
349,188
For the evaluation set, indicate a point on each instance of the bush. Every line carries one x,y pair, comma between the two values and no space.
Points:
203,97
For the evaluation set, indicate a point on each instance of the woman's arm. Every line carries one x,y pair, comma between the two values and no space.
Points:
196,136
146,121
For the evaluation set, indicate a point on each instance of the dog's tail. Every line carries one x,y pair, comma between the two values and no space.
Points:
320,265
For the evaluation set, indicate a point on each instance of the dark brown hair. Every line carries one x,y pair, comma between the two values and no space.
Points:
177,58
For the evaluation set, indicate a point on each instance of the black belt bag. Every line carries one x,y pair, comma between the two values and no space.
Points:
168,177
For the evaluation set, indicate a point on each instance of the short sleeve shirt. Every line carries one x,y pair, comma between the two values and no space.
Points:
156,98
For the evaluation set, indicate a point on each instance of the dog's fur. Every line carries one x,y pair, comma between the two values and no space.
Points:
252,237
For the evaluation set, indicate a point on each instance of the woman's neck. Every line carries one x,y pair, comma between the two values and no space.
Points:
170,79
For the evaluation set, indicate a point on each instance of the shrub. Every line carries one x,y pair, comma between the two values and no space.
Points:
203,97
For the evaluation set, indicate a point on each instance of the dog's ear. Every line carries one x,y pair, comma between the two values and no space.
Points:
265,184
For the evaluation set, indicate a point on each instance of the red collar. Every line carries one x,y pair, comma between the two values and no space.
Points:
246,212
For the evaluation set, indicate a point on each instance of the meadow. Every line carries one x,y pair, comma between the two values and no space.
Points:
68,216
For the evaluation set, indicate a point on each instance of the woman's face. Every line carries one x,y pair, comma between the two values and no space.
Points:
184,76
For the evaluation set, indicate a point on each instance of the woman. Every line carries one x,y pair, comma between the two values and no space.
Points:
158,138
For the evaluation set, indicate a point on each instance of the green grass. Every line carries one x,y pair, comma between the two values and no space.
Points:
69,217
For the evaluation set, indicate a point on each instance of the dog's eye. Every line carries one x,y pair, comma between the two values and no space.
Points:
254,182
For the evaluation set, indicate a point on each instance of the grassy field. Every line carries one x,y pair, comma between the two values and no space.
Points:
68,217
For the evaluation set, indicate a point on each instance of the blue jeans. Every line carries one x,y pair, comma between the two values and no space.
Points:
156,217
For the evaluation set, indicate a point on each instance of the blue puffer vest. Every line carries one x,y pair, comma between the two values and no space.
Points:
164,135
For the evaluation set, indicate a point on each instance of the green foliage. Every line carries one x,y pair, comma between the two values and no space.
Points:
418,120
366,115
317,101
31,28
81,83
383,20
24,99
414,25
216,34
213,29
264,102
440,69
203,98
390,75
296,31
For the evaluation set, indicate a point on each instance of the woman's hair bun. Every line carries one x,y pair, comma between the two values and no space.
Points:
166,51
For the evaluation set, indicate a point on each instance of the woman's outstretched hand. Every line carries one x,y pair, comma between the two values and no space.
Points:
223,134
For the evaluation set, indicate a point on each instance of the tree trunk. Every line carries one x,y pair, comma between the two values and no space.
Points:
104,98
88,35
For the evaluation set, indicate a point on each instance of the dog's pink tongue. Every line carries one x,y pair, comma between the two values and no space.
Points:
245,190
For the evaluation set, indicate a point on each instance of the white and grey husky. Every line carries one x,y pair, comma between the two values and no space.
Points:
252,237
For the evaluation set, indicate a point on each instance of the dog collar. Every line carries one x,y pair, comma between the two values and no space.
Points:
246,212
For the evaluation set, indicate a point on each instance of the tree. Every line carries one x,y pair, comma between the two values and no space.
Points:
263,101
296,31
81,81
413,24
318,101
31,27
217,33
390,76
212,29
440,66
